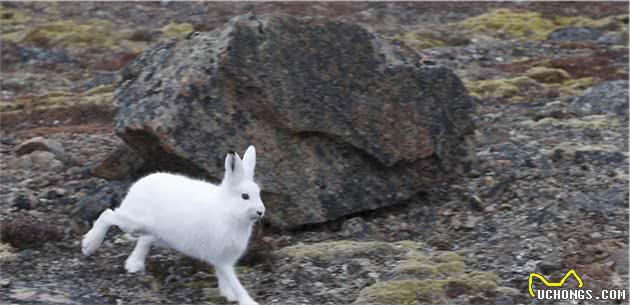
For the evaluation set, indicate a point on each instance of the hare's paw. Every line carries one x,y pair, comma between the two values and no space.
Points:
228,294
247,301
90,243
134,265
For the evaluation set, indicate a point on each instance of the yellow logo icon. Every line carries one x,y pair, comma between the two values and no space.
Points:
552,284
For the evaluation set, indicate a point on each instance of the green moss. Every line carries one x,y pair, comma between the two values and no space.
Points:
176,30
409,291
12,23
420,39
446,257
480,280
547,75
439,264
424,269
94,35
506,22
100,95
12,17
507,88
573,87
420,269
530,25
614,23
450,267
345,248
68,32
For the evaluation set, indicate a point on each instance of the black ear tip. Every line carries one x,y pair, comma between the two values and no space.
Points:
231,152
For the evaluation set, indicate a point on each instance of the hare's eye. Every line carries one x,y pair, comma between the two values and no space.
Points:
245,196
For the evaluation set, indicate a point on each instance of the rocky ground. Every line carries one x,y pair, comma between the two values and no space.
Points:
549,192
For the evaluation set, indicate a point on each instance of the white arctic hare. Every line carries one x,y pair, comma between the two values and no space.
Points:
209,222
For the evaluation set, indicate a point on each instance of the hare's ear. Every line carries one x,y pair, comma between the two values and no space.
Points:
234,170
249,162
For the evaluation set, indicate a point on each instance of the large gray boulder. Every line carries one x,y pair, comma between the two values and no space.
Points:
343,121
609,97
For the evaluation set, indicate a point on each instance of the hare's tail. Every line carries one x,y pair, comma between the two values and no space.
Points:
94,238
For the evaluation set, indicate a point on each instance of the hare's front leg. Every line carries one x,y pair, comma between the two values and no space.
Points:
135,261
226,272
225,288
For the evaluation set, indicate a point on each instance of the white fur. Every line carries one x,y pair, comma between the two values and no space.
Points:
210,222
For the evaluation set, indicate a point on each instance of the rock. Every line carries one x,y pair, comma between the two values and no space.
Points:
56,193
343,120
5,283
581,153
45,160
39,143
29,234
23,202
23,162
612,38
122,163
93,204
609,97
575,34
358,228
473,174
620,259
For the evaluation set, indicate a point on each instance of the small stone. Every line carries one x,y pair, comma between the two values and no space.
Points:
471,222
487,181
56,193
45,160
23,202
548,267
473,174
505,207
504,163
476,203
23,162
5,283
40,144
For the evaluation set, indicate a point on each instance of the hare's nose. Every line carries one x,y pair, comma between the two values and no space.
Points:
259,213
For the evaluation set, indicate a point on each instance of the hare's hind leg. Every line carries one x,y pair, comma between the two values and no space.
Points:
94,238
135,261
